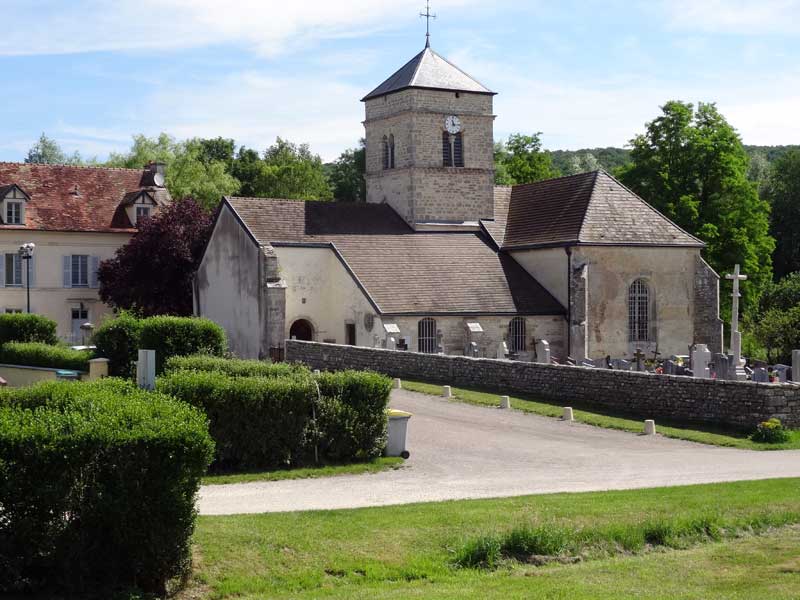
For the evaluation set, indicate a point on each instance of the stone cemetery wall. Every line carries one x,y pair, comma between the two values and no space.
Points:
736,404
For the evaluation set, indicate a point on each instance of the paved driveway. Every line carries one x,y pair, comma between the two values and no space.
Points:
463,451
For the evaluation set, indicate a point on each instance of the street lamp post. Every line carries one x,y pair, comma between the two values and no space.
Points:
26,253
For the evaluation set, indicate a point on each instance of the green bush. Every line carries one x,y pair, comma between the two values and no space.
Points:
36,354
181,336
770,432
351,417
256,422
233,366
97,488
23,327
117,340
120,339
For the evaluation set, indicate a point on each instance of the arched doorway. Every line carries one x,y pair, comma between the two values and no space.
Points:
302,330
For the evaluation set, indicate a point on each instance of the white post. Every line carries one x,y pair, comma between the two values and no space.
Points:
505,402
398,385
447,392
543,352
649,427
568,416
796,365
146,370
98,368
736,335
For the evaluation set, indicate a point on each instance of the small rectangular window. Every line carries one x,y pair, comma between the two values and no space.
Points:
13,213
13,311
80,270
13,270
142,212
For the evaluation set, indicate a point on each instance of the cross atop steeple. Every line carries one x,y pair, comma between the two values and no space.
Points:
428,16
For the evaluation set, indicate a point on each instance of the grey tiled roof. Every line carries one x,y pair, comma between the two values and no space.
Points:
588,208
429,70
402,271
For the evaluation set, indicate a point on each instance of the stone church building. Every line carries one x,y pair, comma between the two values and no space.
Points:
440,259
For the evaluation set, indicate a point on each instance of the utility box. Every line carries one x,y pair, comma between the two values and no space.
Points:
398,431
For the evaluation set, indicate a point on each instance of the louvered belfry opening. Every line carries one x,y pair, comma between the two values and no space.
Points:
452,149
516,335
639,311
447,151
426,336
458,150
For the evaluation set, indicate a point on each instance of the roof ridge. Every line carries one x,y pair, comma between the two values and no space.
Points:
419,64
588,203
459,69
95,167
658,213
560,177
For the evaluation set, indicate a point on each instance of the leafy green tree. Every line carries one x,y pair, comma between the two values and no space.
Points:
193,169
581,162
521,160
782,295
291,171
783,192
778,331
246,167
218,149
48,151
346,175
691,165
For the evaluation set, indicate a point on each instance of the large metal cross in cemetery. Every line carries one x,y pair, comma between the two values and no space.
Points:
736,336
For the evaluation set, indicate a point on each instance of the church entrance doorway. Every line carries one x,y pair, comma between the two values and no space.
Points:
301,330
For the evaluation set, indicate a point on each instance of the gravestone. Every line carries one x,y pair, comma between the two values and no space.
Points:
796,365
472,349
525,356
502,350
760,375
639,358
783,372
701,357
722,367
621,364
587,362
543,351
391,343
670,367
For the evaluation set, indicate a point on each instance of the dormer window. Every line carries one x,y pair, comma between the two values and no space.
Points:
13,213
142,212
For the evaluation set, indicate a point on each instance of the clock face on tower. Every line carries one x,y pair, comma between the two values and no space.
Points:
452,124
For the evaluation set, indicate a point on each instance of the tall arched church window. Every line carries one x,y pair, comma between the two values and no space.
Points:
516,335
639,311
426,336
391,151
452,149
385,152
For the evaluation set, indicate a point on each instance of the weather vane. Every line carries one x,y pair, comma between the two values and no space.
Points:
428,16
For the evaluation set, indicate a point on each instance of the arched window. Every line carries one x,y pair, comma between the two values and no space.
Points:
385,152
639,311
426,336
391,151
516,335
452,149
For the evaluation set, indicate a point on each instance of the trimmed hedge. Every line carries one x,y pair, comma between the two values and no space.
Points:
35,354
117,340
120,339
256,422
23,327
352,414
97,488
235,367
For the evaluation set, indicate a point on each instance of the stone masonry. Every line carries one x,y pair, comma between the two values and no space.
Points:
735,404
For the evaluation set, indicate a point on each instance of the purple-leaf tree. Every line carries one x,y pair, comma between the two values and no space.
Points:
152,273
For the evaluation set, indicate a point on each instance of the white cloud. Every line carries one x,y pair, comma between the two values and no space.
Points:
748,17
268,27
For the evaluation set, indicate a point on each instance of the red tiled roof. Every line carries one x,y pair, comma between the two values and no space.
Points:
69,198
588,208
404,272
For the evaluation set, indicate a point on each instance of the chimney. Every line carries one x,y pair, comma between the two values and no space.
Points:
155,173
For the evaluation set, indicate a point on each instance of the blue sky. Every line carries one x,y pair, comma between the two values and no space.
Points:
91,73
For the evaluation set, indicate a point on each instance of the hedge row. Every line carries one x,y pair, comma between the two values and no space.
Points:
233,366
119,340
37,354
23,327
97,488
273,422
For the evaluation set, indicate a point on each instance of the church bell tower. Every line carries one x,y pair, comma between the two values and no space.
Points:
429,153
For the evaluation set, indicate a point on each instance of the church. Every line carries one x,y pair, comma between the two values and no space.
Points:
441,260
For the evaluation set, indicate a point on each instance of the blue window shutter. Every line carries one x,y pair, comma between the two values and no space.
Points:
2,270
94,264
68,271
32,272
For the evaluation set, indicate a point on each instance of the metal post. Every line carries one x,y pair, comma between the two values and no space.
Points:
28,269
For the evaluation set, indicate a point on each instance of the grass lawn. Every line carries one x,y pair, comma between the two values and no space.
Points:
407,551
716,438
373,466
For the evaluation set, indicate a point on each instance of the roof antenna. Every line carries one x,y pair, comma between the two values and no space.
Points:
428,16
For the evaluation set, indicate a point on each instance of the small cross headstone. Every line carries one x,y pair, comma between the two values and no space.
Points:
760,375
543,352
701,357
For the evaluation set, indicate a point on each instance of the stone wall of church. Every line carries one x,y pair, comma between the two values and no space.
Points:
495,331
670,275
395,188
416,99
738,404
452,194
707,324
